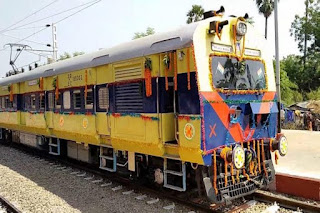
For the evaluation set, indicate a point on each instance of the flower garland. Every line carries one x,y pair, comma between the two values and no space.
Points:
167,67
238,101
263,159
11,92
86,85
55,84
188,117
217,30
228,91
276,156
147,76
215,172
135,115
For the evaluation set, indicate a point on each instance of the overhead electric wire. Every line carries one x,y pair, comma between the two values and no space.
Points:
28,16
56,14
35,42
77,11
25,28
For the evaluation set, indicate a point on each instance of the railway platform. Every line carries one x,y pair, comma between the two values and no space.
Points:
298,173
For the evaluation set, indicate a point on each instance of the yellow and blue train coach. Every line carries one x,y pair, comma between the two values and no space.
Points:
191,108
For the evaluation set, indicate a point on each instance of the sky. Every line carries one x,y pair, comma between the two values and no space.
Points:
112,22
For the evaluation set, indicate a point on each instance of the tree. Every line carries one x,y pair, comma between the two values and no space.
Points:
265,7
306,29
66,55
195,14
77,53
149,31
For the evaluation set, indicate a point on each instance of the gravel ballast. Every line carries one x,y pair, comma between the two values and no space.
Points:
35,185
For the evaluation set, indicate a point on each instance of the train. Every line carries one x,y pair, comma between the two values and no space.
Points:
192,110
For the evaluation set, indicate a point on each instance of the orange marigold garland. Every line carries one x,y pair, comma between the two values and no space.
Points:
231,170
215,172
86,84
147,76
217,30
11,92
258,154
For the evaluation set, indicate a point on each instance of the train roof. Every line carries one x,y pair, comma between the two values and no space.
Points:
157,43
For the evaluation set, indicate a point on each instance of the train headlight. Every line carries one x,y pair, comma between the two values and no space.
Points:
241,28
238,157
283,145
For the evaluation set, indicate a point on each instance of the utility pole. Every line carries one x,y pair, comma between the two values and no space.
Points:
277,61
54,42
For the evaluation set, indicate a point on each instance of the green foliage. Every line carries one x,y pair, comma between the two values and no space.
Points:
308,27
66,55
77,53
314,95
265,7
195,14
149,31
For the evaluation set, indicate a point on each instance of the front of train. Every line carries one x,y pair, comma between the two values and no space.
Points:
239,108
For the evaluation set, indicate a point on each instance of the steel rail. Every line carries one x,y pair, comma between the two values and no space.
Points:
284,202
10,208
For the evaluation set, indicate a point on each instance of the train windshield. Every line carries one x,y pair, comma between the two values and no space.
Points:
229,73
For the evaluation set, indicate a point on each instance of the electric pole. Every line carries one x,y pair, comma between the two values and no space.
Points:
54,43
277,61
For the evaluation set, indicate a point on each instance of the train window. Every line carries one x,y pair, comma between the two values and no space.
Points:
57,102
1,102
42,101
14,103
77,99
89,99
50,101
66,100
33,101
103,98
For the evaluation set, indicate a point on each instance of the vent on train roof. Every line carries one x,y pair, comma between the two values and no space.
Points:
128,71
129,98
166,44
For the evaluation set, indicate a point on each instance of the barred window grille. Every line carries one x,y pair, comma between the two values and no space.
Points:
89,100
50,101
33,101
77,99
103,95
129,98
42,101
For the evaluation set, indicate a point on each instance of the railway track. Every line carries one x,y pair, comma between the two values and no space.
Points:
202,206
9,208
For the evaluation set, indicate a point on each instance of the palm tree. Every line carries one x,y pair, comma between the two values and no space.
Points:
195,14
265,7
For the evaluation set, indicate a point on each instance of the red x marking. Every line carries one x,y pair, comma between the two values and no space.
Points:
213,130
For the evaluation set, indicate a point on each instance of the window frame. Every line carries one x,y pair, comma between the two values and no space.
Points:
89,106
75,92
57,103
